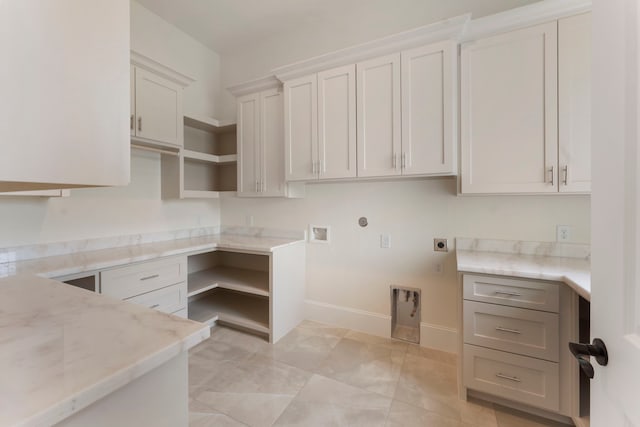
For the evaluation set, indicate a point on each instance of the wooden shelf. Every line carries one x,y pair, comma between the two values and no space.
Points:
208,124
209,158
247,311
237,279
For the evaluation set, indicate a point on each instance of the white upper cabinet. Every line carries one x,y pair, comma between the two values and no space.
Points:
379,109
261,170
337,123
248,129
509,112
158,112
64,85
429,133
301,128
574,103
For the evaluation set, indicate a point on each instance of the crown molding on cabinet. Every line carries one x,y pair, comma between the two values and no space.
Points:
533,14
448,29
253,86
208,124
142,61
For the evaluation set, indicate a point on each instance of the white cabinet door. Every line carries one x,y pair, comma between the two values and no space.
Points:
159,114
337,123
574,103
64,85
132,100
272,181
428,126
248,134
509,112
379,126
301,128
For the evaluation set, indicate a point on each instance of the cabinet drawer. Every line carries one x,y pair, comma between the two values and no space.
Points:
137,279
522,379
516,330
514,292
168,300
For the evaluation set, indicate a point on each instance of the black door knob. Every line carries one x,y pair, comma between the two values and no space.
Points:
583,352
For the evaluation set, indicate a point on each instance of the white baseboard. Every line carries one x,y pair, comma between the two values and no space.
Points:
434,336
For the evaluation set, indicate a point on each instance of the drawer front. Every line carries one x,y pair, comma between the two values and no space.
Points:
137,279
168,300
516,330
513,292
522,379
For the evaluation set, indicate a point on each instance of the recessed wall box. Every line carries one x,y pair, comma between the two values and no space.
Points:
319,234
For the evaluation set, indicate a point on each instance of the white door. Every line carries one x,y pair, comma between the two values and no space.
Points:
272,143
248,135
379,125
615,201
337,122
428,128
509,112
158,108
574,103
301,128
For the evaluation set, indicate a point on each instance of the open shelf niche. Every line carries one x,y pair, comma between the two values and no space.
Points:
206,166
230,287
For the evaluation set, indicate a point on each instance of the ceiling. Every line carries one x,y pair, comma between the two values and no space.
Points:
227,25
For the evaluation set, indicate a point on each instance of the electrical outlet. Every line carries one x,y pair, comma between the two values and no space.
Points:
440,245
439,268
249,220
385,241
563,233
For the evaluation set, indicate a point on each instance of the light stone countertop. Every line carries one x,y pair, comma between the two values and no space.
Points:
86,261
532,260
64,348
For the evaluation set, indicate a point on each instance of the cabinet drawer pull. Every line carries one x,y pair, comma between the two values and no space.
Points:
511,331
510,378
566,175
140,123
510,294
131,122
155,306
153,276
551,171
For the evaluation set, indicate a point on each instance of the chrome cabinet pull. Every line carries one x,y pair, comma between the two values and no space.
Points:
508,377
510,294
131,122
153,276
566,174
511,331
140,123
551,170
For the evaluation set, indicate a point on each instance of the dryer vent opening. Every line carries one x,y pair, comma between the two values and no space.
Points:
405,314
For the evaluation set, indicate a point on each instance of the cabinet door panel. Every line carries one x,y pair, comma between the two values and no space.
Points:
301,128
379,130
428,128
272,143
574,101
248,134
337,122
158,108
509,112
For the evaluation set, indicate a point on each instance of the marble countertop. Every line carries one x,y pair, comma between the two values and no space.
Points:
546,261
92,260
64,348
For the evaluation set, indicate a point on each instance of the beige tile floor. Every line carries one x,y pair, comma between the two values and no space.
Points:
319,375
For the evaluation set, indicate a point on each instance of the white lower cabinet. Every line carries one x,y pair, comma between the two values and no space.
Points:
159,284
515,343
259,291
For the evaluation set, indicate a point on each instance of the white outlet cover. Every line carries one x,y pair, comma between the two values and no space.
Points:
563,233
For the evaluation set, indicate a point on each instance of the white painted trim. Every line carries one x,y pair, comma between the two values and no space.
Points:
253,86
525,16
440,337
433,336
155,67
449,29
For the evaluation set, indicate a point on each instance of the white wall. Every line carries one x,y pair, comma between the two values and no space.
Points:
354,272
137,208
166,44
